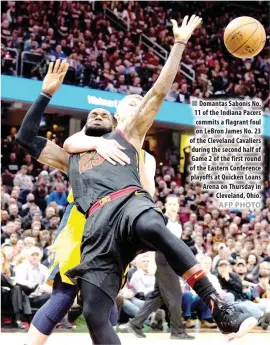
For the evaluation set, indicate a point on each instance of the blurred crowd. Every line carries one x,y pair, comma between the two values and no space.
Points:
232,246
103,56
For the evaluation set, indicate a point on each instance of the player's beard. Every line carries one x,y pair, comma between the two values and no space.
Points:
97,131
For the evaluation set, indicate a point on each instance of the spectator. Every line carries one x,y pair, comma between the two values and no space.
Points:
136,87
15,195
28,160
33,215
22,180
13,211
237,250
10,170
12,165
33,274
131,304
142,282
65,48
241,270
121,84
40,192
5,32
231,282
29,242
58,52
11,294
45,238
30,201
4,196
186,236
263,269
267,258
261,295
252,263
35,230
168,169
192,221
53,222
28,43
173,94
58,196
9,229
11,138
184,96
49,212
4,218
223,253
19,246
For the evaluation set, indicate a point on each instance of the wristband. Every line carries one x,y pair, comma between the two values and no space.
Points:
181,42
46,94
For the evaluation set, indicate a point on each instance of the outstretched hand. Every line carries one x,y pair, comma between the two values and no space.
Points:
55,76
187,28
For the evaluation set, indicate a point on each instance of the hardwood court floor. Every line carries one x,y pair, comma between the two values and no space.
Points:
256,338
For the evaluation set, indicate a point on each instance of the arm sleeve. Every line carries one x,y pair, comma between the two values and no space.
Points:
27,136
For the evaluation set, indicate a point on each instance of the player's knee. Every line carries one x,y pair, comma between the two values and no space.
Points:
59,305
150,225
90,315
52,312
42,323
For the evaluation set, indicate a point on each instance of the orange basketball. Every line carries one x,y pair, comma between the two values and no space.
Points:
244,37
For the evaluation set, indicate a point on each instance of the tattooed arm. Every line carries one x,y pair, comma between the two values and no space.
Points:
137,126
45,151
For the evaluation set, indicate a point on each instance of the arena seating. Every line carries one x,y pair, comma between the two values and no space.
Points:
122,46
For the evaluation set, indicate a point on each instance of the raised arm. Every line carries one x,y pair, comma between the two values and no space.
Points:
137,126
80,142
40,148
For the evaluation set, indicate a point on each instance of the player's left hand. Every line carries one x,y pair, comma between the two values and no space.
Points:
55,76
187,28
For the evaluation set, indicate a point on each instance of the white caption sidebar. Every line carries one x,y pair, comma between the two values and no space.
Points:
227,151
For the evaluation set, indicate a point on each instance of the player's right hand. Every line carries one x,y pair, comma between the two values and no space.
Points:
187,28
55,76
111,150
